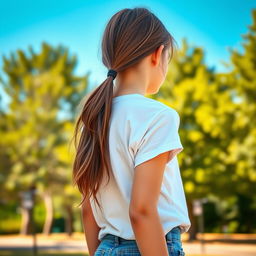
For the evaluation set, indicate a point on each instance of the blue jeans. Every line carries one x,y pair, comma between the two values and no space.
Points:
112,245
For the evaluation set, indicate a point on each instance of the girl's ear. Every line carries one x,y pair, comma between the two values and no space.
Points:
156,56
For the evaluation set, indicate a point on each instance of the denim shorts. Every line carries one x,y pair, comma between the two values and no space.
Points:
112,245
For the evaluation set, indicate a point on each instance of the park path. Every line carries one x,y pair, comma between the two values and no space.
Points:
78,244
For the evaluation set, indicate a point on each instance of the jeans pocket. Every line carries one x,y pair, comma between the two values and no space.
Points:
175,248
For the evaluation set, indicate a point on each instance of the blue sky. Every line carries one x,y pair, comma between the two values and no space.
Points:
79,25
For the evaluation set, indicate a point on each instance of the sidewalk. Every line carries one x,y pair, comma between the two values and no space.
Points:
77,243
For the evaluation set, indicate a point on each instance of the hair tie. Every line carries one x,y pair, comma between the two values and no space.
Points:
112,72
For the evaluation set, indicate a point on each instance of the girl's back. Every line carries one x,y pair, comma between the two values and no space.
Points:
141,128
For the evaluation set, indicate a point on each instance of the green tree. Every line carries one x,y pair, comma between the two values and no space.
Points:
37,125
242,148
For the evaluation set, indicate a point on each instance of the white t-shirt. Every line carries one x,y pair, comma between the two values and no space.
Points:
140,129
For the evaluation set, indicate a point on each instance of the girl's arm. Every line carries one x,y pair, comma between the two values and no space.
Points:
91,229
143,212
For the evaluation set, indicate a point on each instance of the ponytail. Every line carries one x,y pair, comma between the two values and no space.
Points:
92,127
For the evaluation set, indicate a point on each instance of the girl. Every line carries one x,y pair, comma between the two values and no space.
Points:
140,209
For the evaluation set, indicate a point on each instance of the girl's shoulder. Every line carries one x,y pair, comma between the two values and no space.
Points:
153,108
140,110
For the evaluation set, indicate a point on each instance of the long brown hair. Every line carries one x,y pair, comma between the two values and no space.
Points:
129,36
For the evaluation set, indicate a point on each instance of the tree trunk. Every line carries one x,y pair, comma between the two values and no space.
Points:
49,213
193,229
26,216
69,220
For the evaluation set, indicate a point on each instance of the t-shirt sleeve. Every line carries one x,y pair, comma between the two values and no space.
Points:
160,136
